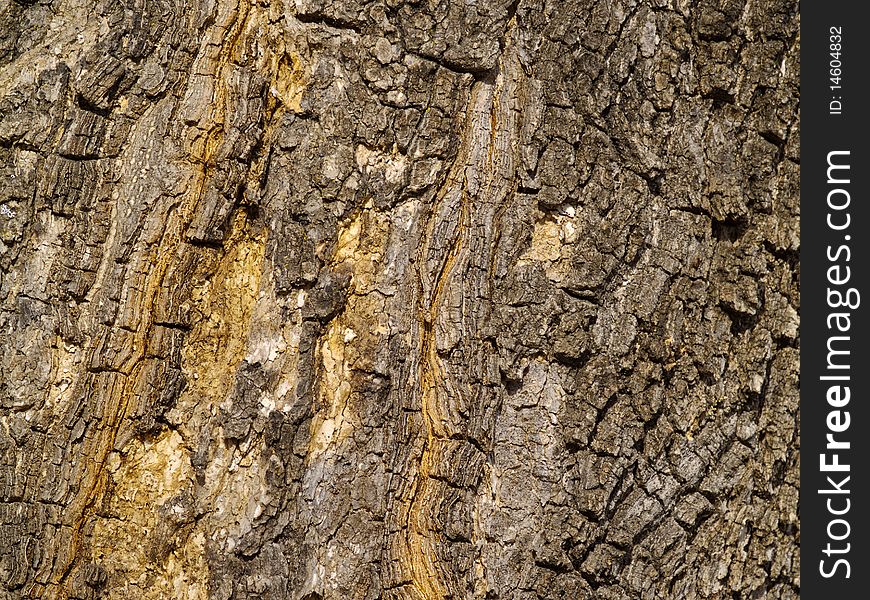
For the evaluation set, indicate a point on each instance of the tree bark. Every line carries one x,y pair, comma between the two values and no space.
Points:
402,300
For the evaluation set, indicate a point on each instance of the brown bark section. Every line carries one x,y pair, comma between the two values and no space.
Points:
411,300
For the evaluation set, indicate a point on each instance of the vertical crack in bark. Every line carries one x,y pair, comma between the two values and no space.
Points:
167,254
492,115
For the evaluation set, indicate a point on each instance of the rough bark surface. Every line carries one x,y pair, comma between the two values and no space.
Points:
404,300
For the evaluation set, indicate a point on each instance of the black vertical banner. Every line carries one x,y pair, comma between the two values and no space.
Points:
835,421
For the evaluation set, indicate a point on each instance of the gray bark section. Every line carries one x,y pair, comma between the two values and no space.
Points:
411,300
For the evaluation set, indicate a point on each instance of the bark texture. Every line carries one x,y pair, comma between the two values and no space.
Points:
399,299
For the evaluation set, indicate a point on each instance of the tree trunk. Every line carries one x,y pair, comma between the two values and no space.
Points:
402,300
